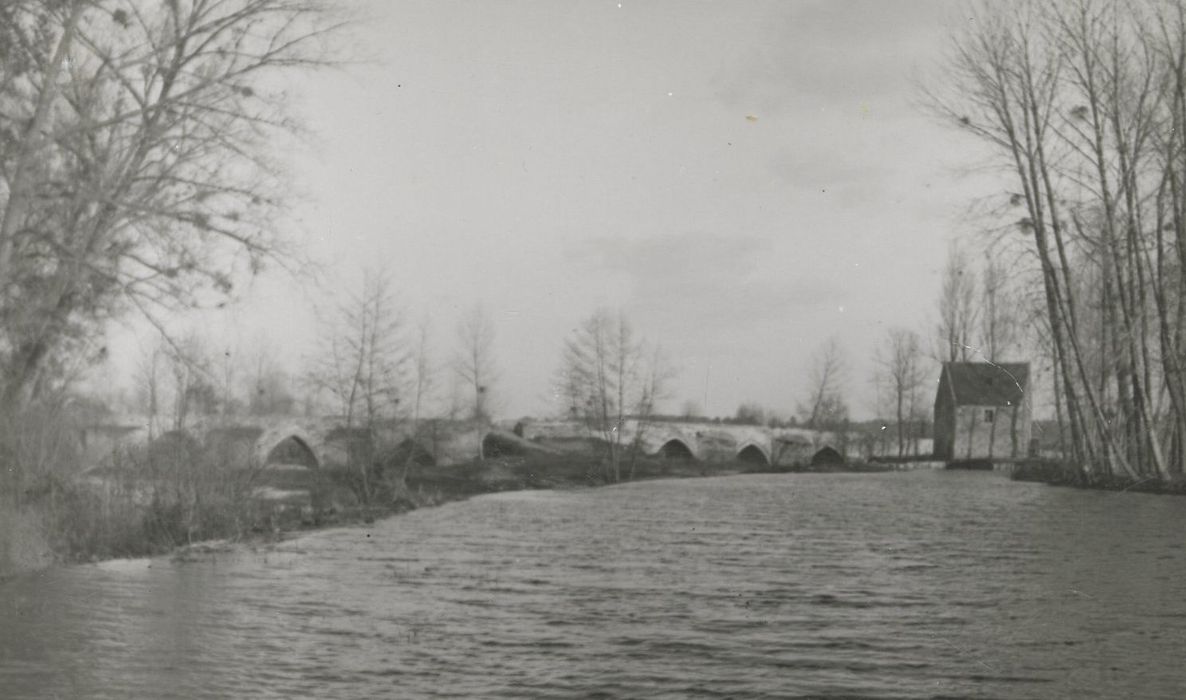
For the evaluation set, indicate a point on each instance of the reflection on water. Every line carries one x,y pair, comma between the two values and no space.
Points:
925,584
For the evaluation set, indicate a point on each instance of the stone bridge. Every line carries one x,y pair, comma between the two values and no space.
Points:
702,440
312,441
321,441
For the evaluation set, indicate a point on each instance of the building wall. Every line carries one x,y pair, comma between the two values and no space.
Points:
944,424
977,438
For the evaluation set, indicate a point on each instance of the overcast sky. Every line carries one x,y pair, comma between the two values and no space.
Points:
744,179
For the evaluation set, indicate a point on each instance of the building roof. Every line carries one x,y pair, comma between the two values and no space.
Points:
987,384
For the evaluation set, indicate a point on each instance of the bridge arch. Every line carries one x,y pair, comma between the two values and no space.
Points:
292,449
676,448
495,444
290,445
753,454
414,451
827,456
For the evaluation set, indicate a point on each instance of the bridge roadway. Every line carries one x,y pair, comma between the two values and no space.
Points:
257,439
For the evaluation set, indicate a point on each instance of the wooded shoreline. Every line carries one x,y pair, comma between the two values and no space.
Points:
1057,473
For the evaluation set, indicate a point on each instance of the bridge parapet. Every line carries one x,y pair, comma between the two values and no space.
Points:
252,439
696,439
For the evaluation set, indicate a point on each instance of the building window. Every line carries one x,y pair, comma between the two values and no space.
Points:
989,415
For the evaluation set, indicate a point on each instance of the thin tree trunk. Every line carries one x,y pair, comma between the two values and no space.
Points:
20,188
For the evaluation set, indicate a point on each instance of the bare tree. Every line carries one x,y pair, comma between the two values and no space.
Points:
362,367
825,406
998,312
1003,85
148,381
1082,100
228,374
135,167
423,380
193,390
900,375
603,374
957,306
474,365
268,385
657,376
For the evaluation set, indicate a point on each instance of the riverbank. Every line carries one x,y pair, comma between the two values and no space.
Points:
135,512
1061,474
110,523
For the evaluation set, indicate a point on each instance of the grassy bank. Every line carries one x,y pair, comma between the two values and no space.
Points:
1063,474
149,502
155,503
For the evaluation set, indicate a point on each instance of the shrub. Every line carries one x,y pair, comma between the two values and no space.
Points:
23,546
149,501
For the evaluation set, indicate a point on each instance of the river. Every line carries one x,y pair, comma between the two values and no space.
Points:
919,584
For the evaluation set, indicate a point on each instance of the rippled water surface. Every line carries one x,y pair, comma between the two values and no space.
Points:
923,584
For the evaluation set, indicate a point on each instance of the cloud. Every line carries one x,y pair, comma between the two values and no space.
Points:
847,177
826,52
666,255
702,286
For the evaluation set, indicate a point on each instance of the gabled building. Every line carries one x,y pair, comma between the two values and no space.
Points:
983,411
